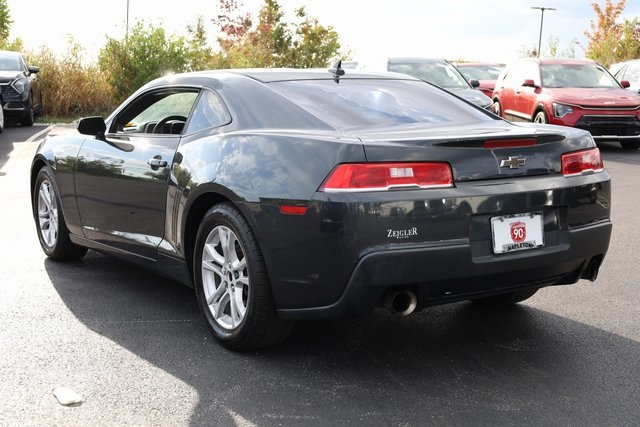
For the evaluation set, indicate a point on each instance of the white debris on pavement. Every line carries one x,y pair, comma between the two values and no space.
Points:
66,396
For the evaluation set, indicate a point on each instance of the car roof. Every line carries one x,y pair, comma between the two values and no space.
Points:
418,60
269,75
10,53
561,61
475,64
628,62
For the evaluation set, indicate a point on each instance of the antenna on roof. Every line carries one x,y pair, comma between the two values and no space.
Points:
337,71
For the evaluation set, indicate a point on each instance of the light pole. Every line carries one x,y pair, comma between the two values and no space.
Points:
542,9
126,34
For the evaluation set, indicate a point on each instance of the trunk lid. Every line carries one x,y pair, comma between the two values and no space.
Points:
477,152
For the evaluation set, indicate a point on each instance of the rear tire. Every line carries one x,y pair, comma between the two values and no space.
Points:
630,145
50,224
505,299
232,285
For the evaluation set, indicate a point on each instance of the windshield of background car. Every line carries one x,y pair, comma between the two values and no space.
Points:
480,72
632,73
439,73
576,76
10,63
367,103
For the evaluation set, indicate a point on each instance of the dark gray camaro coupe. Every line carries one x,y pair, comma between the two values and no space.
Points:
298,194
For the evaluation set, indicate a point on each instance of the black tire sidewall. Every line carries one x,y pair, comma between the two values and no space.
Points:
225,215
29,117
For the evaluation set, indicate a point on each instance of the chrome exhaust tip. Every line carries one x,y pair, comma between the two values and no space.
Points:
400,302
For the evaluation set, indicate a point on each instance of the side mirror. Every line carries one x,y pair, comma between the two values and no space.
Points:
33,70
92,126
625,83
474,83
528,83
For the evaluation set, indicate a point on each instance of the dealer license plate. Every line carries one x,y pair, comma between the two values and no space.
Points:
517,232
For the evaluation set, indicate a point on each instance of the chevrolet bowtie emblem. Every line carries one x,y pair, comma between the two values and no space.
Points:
512,162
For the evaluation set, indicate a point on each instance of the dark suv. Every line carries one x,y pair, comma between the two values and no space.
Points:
19,88
569,92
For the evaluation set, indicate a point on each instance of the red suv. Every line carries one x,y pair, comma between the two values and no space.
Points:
568,92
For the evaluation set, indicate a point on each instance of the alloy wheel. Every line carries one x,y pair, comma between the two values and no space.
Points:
48,213
225,277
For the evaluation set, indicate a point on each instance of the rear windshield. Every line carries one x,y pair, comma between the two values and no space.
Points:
439,73
480,72
368,103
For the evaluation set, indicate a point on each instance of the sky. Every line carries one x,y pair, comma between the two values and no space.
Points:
471,30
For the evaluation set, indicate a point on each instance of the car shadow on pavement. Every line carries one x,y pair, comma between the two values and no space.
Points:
612,151
456,364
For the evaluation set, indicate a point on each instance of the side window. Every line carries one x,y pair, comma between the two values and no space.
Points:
163,111
515,77
210,112
532,71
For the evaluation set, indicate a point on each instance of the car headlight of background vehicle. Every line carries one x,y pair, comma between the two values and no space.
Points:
561,110
20,84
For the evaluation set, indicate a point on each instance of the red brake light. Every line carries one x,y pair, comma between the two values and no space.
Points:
384,176
582,162
510,143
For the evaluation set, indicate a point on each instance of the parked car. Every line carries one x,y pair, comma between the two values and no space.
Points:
438,71
19,87
485,73
628,71
302,194
570,92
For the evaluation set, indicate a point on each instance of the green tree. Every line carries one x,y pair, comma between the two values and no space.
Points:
5,24
199,53
315,45
272,42
145,55
554,42
611,40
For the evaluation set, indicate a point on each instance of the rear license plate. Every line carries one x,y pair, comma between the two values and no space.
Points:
517,232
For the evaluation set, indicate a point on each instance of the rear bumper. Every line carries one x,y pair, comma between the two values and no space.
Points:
459,270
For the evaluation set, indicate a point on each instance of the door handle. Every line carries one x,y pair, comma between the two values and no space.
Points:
157,163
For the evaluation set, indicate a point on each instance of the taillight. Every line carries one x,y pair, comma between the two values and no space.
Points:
582,162
385,176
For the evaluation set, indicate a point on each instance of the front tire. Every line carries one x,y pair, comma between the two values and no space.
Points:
29,116
231,282
497,108
630,145
541,117
50,224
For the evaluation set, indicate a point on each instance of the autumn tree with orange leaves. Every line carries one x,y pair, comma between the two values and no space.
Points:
610,39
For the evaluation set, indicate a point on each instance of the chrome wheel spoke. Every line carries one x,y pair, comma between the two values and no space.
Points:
212,267
238,301
218,308
225,278
212,254
239,265
216,295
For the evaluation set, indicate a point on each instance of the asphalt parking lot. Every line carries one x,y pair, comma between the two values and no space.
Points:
133,345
